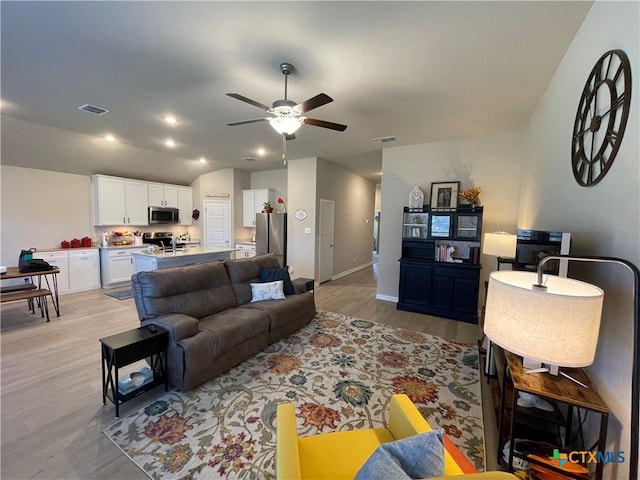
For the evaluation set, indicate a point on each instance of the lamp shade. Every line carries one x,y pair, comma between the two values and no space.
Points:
499,244
285,125
556,325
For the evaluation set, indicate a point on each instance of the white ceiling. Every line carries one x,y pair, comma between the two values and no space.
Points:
421,71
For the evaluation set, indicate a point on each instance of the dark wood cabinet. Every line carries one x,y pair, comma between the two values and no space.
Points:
441,288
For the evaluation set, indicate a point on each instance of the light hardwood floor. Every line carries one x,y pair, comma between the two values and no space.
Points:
51,410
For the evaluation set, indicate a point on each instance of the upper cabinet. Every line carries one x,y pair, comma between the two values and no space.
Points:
119,201
124,201
161,195
253,202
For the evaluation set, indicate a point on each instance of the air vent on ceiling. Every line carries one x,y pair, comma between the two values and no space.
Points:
93,109
388,139
249,159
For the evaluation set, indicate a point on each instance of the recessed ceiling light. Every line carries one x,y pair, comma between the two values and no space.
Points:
170,120
109,138
169,143
203,160
261,151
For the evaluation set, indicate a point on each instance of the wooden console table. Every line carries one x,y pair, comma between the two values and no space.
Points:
556,389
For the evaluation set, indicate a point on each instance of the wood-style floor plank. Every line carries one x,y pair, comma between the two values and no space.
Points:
52,415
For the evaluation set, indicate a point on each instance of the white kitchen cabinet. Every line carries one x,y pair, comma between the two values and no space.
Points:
119,201
253,202
245,250
116,265
84,269
163,195
185,205
60,260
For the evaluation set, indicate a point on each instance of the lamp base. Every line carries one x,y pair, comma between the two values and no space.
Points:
533,366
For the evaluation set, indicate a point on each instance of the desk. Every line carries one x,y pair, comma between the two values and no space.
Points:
14,272
555,389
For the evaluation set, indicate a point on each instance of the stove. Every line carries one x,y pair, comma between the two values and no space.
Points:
161,239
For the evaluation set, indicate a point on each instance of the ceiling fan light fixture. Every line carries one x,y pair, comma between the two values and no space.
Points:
285,125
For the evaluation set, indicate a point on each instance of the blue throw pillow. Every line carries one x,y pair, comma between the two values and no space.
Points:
275,274
418,456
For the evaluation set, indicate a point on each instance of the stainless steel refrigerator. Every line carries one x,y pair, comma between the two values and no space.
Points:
271,235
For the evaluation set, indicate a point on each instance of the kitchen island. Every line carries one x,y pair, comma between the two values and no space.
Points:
145,261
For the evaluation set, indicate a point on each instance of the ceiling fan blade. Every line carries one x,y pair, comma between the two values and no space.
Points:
233,124
290,137
322,123
313,102
242,98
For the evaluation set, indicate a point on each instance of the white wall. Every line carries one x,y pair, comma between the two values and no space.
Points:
41,208
492,162
603,219
273,179
301,251
353,217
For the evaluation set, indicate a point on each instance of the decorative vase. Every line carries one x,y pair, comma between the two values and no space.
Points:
416,198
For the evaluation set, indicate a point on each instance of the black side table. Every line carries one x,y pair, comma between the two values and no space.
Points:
126,348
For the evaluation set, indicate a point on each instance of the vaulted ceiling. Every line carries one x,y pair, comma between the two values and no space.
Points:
419,71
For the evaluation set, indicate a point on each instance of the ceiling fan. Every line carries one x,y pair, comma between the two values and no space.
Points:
287,115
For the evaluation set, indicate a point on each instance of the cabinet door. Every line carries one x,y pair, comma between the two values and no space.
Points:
260,198
415,285
171,196
84,271
249,208
120,268
156,195
110,198
59,259
137,203
185,205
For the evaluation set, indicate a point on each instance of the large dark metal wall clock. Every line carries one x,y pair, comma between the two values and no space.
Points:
601,118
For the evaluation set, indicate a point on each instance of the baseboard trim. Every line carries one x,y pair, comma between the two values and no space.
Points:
353,270
386,298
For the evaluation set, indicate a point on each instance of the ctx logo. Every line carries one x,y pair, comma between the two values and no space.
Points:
587,457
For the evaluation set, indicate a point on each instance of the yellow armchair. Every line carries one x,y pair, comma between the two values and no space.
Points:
339,455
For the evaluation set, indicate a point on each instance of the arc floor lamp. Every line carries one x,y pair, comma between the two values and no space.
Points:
533,303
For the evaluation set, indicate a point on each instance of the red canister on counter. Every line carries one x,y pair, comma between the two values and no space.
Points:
75,243
65,244
86,242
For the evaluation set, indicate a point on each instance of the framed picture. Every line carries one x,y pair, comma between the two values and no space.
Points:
440,225
444,195
415,232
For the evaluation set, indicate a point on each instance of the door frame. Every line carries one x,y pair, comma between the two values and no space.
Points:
204,221
320,237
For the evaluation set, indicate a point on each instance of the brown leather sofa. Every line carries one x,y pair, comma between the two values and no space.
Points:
212,324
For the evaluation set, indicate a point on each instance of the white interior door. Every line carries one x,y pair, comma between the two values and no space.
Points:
217,223
327,209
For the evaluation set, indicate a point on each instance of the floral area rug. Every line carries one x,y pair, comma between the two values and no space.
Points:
339,371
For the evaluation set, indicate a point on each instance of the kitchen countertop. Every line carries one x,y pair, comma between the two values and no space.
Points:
187,253
64,249
245,242
119,247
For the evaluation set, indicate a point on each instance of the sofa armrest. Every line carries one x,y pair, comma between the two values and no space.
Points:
179,326
287,453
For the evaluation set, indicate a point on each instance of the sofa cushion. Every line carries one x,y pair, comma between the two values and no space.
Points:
233,327
244,271
194,290
273,274
267,291
288,311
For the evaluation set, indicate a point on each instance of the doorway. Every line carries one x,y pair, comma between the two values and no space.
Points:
217,223
325,260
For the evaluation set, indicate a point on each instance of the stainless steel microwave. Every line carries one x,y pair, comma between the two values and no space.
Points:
163,215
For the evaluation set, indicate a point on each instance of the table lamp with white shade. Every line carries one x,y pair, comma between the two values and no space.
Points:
499,244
